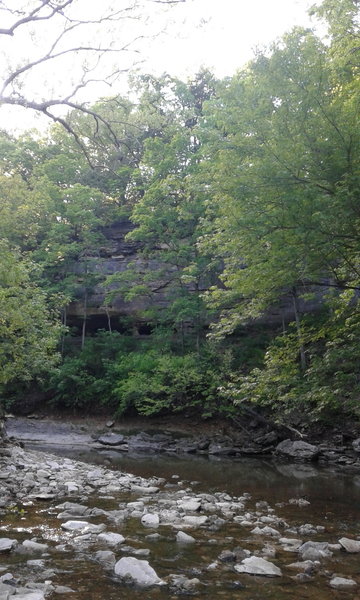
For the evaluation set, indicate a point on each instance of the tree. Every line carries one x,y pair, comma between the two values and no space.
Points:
41,38
29,327
284,163
170,207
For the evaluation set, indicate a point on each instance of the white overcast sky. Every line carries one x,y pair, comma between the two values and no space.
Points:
222,34
218,34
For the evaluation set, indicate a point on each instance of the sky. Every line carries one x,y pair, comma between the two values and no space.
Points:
222,34
219,34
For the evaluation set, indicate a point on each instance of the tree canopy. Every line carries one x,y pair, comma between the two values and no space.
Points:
242,196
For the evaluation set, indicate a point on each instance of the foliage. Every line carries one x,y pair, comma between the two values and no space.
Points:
244,200
330,381
29,326
155,382
85,379
116,373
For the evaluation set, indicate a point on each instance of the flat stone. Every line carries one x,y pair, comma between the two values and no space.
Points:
258,566
111,439
7,544
139,571
31,546
303,565
63,589
83,526
44,496
113,539
352,546
141,489
340,583
195,521
30,596
73,508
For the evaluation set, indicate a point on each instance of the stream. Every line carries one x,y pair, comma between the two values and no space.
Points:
285,496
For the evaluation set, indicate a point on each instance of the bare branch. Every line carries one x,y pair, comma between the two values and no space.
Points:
34,16
68,39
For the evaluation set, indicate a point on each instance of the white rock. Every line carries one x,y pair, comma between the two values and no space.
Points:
303,565
315,550
349,545
191,505
184,538
71,487
144,490
195,521
340,583
7,544
138,570
150,520
30,596
268,531
106,557
73,508
258,566
34,546
83,526
112,539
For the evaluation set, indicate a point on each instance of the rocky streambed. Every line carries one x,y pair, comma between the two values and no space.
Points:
72,529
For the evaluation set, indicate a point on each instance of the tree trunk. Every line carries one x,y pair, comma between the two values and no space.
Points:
108,319
64,322
83,333
299,330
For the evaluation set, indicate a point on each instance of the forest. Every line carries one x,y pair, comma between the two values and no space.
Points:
243,199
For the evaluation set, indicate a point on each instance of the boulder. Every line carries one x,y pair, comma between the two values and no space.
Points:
258,566
138,571
298,450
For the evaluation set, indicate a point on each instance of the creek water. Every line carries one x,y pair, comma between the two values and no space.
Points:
334,498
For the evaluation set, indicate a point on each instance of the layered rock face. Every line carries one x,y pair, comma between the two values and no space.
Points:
115,257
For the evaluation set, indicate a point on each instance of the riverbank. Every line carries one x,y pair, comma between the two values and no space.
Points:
338,445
